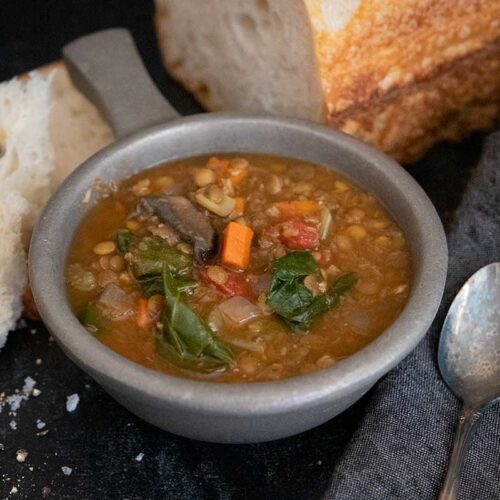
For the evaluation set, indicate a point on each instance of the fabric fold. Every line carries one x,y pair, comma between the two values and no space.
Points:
401,446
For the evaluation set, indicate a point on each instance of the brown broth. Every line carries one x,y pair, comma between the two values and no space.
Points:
364,239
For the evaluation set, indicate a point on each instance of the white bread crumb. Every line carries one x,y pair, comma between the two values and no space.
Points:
66,470
72,402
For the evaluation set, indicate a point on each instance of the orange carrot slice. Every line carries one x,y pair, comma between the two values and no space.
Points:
236,245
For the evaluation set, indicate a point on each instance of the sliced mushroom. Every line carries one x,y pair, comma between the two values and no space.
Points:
215,200
191,224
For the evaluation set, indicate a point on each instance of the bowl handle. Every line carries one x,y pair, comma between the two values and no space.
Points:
106,67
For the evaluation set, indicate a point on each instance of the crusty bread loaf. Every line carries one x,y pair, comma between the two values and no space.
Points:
47,128
399,74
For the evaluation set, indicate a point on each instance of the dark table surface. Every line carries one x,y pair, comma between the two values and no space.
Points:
100,440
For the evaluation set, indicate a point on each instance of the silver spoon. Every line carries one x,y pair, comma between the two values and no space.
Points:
469,360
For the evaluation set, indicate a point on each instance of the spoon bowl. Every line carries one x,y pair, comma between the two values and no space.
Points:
469,359
469,348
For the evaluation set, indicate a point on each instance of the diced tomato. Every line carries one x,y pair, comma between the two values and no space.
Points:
296,233
299,234
234,283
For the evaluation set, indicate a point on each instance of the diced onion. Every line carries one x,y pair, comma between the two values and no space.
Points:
361,322
215,320
239,310
249,345
118,304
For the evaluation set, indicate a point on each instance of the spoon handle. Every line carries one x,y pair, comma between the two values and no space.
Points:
463,436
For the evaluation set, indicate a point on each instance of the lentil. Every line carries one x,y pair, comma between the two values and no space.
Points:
105,247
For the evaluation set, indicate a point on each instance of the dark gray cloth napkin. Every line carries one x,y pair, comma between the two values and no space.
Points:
401,446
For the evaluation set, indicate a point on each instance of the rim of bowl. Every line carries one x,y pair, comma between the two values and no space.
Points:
274,397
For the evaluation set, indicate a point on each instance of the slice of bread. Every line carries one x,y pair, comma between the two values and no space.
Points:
77,129
27,158
244,55
47,128
13,209
399,74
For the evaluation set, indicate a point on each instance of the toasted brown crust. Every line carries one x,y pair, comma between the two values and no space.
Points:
405,74
461,98
392,44
45,69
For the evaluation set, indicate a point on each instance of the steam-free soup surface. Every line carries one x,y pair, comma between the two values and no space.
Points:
237,269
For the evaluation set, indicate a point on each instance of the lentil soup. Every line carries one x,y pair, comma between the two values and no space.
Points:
237,269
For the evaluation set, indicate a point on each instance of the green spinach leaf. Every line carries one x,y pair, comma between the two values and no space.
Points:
185,285
147,257
294,265
91,319
150,254
123,240
187,334
340,287
153,285
200,364
288,297
292,301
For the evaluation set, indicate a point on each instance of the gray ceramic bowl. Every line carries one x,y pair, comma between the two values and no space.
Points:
201,410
